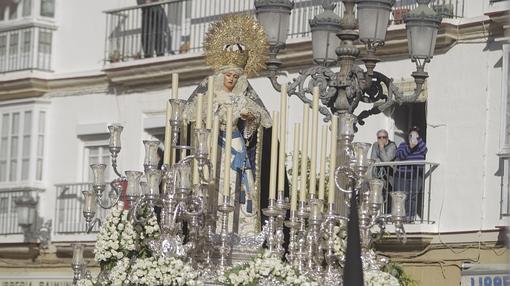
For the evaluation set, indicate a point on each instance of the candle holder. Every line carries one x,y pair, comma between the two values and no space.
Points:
331,274
78,265
273,242
225,248
114,145
314,235
293,224
301,253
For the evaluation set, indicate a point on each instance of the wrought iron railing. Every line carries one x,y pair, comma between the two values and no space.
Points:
413,178
446,8
178,26
504,173
69,207
8,215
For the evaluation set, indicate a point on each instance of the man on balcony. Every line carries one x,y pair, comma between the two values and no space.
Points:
410,177
384,150
155,31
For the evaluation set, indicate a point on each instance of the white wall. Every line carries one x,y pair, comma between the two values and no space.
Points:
80,36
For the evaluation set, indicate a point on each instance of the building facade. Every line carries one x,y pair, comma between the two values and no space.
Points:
69,68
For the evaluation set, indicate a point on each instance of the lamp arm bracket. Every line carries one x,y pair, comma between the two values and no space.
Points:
320,76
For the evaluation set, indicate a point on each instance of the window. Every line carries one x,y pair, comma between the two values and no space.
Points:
13,11
13,51
40,145
27,8
99,154
26,49
505,103
48,8
44,57
21,145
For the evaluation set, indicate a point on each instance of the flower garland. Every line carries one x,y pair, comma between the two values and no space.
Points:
263,267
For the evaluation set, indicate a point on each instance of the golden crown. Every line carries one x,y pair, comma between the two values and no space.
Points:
236,41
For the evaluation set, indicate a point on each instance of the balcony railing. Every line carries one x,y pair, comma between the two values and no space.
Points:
446,8
178,26
26,49
413,178
504,172
8,215
69,218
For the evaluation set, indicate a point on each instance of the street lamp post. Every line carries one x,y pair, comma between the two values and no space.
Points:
33,227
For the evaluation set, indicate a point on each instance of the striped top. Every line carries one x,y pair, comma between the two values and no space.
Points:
406,153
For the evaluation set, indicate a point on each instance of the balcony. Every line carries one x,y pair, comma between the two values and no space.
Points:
176,27
69,204
8,215
413,178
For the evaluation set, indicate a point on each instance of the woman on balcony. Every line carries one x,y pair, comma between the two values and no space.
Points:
234,49
410,177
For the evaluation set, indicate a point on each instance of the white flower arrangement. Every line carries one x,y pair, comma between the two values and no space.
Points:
85,282
162,271
379,278
262,267
116,237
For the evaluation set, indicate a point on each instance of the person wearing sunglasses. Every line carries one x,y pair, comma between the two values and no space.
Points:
384,150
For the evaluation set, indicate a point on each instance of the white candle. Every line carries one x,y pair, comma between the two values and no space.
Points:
175,85
228,152
214,144
168,135
198,118
313,156
210,93
324,143
304,155
295,168
283,141
198,124
332,160
274,157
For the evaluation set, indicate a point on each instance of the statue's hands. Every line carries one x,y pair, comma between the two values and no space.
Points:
248,116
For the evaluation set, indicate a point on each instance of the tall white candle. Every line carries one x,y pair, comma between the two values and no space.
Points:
313,156
228,152
214,145
332,160
210,93
168,135
324,143
198,115
295,168
198,124
283,141
304,155
274,157
175,85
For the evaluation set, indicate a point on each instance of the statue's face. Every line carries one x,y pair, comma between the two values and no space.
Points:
229,80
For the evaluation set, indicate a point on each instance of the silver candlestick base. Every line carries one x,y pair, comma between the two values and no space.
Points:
293,225
272,212
225,248
301,254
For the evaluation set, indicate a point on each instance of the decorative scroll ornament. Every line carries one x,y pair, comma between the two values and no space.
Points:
236,41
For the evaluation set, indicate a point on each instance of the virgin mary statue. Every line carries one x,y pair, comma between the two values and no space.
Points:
236,47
